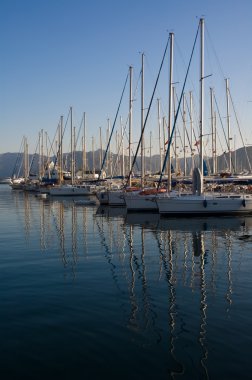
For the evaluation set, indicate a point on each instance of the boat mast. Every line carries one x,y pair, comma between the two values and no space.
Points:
42,154
40,163
72,157
109,152
60,163
142,124
100,148
159,135
201,98
213,132
122,154
170,108
74,153
175,133
215,144
84,168
93,155
26,160
228,126
164,135
150,152
191,124
184,134
130,121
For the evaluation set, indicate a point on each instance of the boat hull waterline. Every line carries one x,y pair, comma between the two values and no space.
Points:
205,205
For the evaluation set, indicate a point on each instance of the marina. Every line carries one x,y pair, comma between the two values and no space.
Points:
111,294
200,193
126,218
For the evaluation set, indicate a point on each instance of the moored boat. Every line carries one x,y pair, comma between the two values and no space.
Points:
72,190
5,181
200,202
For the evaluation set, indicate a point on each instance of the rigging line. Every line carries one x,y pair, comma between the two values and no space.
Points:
66,122
118,157
223,128
51,150
69,112
60,142
119,153
196,121
18,158
33,157
112,130
134,98
186,131
187,135
152,78
220,143
54,138
222,149
22,157
184,64
178,129
78,134
51,146
166,128
214,51
162,111
240,131
193,129
124,128
131,106
147,115
63,132
176,116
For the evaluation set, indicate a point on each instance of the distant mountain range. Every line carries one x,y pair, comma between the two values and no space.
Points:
11,163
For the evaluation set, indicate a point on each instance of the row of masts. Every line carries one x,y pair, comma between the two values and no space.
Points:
167,127
44,151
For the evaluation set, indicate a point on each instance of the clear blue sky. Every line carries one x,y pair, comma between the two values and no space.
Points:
61,53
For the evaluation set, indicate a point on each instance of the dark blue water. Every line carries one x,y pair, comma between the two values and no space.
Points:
92,293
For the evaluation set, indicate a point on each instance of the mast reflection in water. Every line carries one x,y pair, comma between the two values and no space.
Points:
93,292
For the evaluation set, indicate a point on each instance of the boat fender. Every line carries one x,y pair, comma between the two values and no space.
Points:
243,202
205,203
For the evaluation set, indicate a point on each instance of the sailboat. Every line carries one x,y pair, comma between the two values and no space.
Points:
113,194
144,199
199,202
72,189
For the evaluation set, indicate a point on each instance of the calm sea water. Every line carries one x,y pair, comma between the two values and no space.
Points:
92,293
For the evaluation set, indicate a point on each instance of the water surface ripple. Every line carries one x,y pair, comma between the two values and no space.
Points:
91,292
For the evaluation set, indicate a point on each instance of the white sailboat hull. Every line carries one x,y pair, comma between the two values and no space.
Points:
111,198
206,204
102,197
69,190
116,198
137,202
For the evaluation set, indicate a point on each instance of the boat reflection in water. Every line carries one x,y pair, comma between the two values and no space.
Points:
64,225
196,262
111,211
164,293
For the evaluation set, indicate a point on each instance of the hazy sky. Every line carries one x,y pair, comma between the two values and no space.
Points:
61,53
